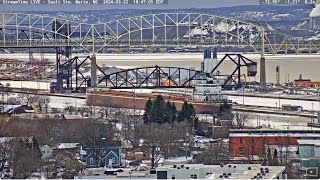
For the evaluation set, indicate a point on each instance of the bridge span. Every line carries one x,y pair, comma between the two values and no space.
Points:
153,30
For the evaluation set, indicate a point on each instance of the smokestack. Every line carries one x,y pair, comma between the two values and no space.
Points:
207,61
278,75
312,23
215,60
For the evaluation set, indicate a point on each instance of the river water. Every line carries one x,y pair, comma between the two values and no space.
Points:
291,66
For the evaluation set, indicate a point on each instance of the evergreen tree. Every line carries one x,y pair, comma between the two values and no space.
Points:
224,111
174,112
187,113
158,112
147,111
269,157
171,112
275,158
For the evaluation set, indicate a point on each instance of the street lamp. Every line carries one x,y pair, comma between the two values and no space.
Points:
279,101
243,96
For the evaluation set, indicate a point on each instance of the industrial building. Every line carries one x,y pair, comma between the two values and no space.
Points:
230,171
255,142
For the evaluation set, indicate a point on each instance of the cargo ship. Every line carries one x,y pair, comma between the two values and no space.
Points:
130,100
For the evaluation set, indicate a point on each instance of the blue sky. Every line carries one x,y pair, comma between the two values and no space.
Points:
173,4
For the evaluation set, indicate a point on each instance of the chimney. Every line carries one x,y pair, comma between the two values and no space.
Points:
312,23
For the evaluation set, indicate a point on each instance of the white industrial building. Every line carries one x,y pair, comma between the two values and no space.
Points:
231,171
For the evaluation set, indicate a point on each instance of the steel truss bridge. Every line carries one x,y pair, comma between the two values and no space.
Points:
154,30
71,76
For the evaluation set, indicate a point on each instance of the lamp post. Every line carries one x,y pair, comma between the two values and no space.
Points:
242,96
187,144
130,172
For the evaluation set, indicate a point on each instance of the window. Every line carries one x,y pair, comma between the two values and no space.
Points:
91,160
113,160
240,140
173,176
241,150
193,176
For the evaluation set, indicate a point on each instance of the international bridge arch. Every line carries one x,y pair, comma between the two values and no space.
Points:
18,30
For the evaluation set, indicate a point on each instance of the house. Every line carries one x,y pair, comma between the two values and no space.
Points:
67,159
126,144
16,109
47,152
308,158
136,154
73,148
309,148
102,156
255,142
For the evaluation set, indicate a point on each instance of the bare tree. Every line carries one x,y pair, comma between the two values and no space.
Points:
215,153
6,151
240,120
26,159
164,140
249,149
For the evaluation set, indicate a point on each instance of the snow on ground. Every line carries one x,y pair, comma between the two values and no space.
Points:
28,84
62,102
274,102
280,121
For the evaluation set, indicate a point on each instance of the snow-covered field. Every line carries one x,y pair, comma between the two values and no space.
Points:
62,102
280,121
28,84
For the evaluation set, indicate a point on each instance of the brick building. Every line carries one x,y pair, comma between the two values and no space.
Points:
256,142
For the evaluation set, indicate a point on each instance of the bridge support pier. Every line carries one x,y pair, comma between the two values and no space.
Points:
263,81
93,70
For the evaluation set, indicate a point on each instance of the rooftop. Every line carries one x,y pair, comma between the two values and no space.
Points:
235,171
308,142
272,131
